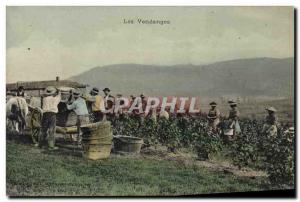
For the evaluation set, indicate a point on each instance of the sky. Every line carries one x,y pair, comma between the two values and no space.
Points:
45,42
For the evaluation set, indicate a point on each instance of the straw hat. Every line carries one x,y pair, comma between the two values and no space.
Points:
95,90
106,89
214,104
76,93
271,109
291,130
232,103
50,90
20,88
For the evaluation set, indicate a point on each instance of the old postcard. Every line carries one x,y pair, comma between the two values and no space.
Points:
150,101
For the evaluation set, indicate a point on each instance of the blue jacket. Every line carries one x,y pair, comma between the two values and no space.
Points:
79,106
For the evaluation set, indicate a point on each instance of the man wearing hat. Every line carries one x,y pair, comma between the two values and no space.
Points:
21,92
142,115
97,105
50,101
132,97
144,101
213,117
80,108
109,102
234,117
120,102
270,126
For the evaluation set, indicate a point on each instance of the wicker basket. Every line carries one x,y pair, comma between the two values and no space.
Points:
96,140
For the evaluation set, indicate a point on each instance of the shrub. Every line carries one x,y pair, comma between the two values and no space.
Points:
206,144
245,148
125,125
168,133
279,153
250,148
149,132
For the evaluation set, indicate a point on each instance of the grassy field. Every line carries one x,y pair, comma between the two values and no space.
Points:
35,172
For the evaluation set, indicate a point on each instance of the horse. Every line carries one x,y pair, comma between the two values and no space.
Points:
16,112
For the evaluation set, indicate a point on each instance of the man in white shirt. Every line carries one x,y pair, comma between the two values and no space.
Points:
49,106
80,108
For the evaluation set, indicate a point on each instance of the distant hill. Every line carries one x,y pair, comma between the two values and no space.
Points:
242,77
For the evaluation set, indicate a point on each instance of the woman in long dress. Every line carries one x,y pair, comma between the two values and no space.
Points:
213,117
234,118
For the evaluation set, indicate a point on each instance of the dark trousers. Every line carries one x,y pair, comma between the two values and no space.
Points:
109,116
48,129
81,120
97,116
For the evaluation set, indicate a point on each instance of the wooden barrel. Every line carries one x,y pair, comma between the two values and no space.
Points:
96,140
127,144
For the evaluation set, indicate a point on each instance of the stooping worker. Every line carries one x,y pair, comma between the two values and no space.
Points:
97,105
80,108
50,102
163,114
213,117
290,134
270,126
109,102
234,118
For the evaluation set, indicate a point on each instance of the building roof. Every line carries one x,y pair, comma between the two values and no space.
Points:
41,85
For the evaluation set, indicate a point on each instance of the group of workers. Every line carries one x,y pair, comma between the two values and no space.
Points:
79,104
17,109
214,116
93,105
233,126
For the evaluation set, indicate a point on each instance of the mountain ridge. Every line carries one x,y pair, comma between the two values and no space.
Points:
239,77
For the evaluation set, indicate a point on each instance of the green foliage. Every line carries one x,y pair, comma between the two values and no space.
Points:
279,155
248,149
149,132
186,131
189,128
165,132
244,149
275,155
168,133
195,133
125,125
206,144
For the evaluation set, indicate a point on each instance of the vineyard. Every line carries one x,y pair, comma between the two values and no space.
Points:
180,156
253,149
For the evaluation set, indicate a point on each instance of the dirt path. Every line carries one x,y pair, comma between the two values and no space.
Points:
189,159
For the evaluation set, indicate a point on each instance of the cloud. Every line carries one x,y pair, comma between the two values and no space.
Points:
66,41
